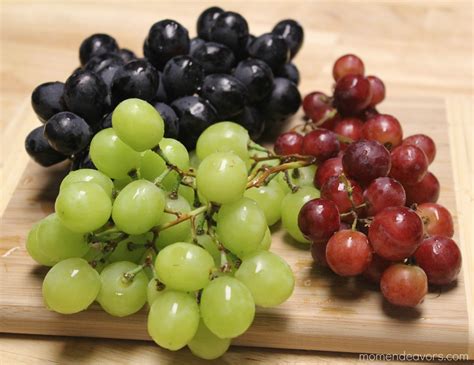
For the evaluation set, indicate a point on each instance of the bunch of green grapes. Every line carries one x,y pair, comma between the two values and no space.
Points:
187,234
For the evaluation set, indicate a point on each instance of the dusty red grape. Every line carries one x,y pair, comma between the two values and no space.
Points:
337,190
404,285
427,190
385,129
318,252
350,128
378,90
289,143
376,268
409,164
352,94
330,167
436,219
348,64
319,219
321,143
317,105
423,142
382,193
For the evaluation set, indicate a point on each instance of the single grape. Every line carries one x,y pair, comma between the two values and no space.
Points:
169,118
284,100
227,307
268,198
88,175
409,164
95,45
257,77
206,20
175,152
352,94
318,219
385,129
436,219
404,285
178,232
329,168
241,226
348,64
222,177
33,248
67,133
83,207
321,143
376,268
266,241
182,76
106,66
173,320
252,120
211,246
424,143
154,290
215,58
291,206
47,101
70,286
38,148
230,29
302,176
424,191
206,345
383,192
289,143
316,106
151,165
349,127
337,190
293,34
395,233
378,90
290,72
138,207
111,156
270,48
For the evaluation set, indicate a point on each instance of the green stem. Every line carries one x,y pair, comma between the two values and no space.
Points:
130,275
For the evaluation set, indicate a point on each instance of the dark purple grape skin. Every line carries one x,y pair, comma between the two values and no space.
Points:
230,29
67,133
293,34
257,76
226,93
195,44
182,76
127,55
289,71
96,45
270,48
284,100
195,115
206,20
105,123
82,160
166,39
214,58
85,94
38,148
170,118
161,95
137,79
46,100
251,120
100,61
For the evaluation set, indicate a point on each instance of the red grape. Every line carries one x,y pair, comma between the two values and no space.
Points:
331,122
318,252
348,253
352,94
368,113
423,142
348,64
289,143
335,189
350,128
321,143
382,193
404,285
317,105
436,219
378,90
440,258
366,160
427,190
330,167
385,129
376,268
395,233
318,219
409,164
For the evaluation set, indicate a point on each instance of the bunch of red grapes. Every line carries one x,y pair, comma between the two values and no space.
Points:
377,215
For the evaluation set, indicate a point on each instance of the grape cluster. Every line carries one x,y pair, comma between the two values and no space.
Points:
186,234
375,213
225,73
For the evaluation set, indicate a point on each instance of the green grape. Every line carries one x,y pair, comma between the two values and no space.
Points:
304,176
138,207
83,207
151,165
56,242
138,124
70,286
130,249
118,296
227,307
95,254
119,184
207,345
111,156
184,266
148,256
266,241
268,277
173,319
187,193
175,152
154,290
33,249
180,231
241,226
222,177
290,208
88,175
268,198
223,137
194,160
206,242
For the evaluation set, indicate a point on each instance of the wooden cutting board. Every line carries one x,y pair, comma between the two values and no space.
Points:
325,312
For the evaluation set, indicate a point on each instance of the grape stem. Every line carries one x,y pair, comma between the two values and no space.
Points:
182,218
171,166
128,277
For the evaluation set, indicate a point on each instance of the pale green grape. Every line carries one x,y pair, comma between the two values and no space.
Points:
194,160
268,277
154,290
119,184
95,254
222,177
187,193
175,152
56,242
303,177
70,286
173,319
268,198
184,266
138,207
138,124
111,156
118,296
33,249
150,256
290,208
207,345
227,307
88,175
241,226
206,242
179,232
131,249
266,241
223,137
83,207
151,165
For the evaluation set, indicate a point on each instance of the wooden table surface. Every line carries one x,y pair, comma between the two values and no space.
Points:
419,48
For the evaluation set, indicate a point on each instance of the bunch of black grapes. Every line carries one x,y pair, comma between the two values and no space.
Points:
225,73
